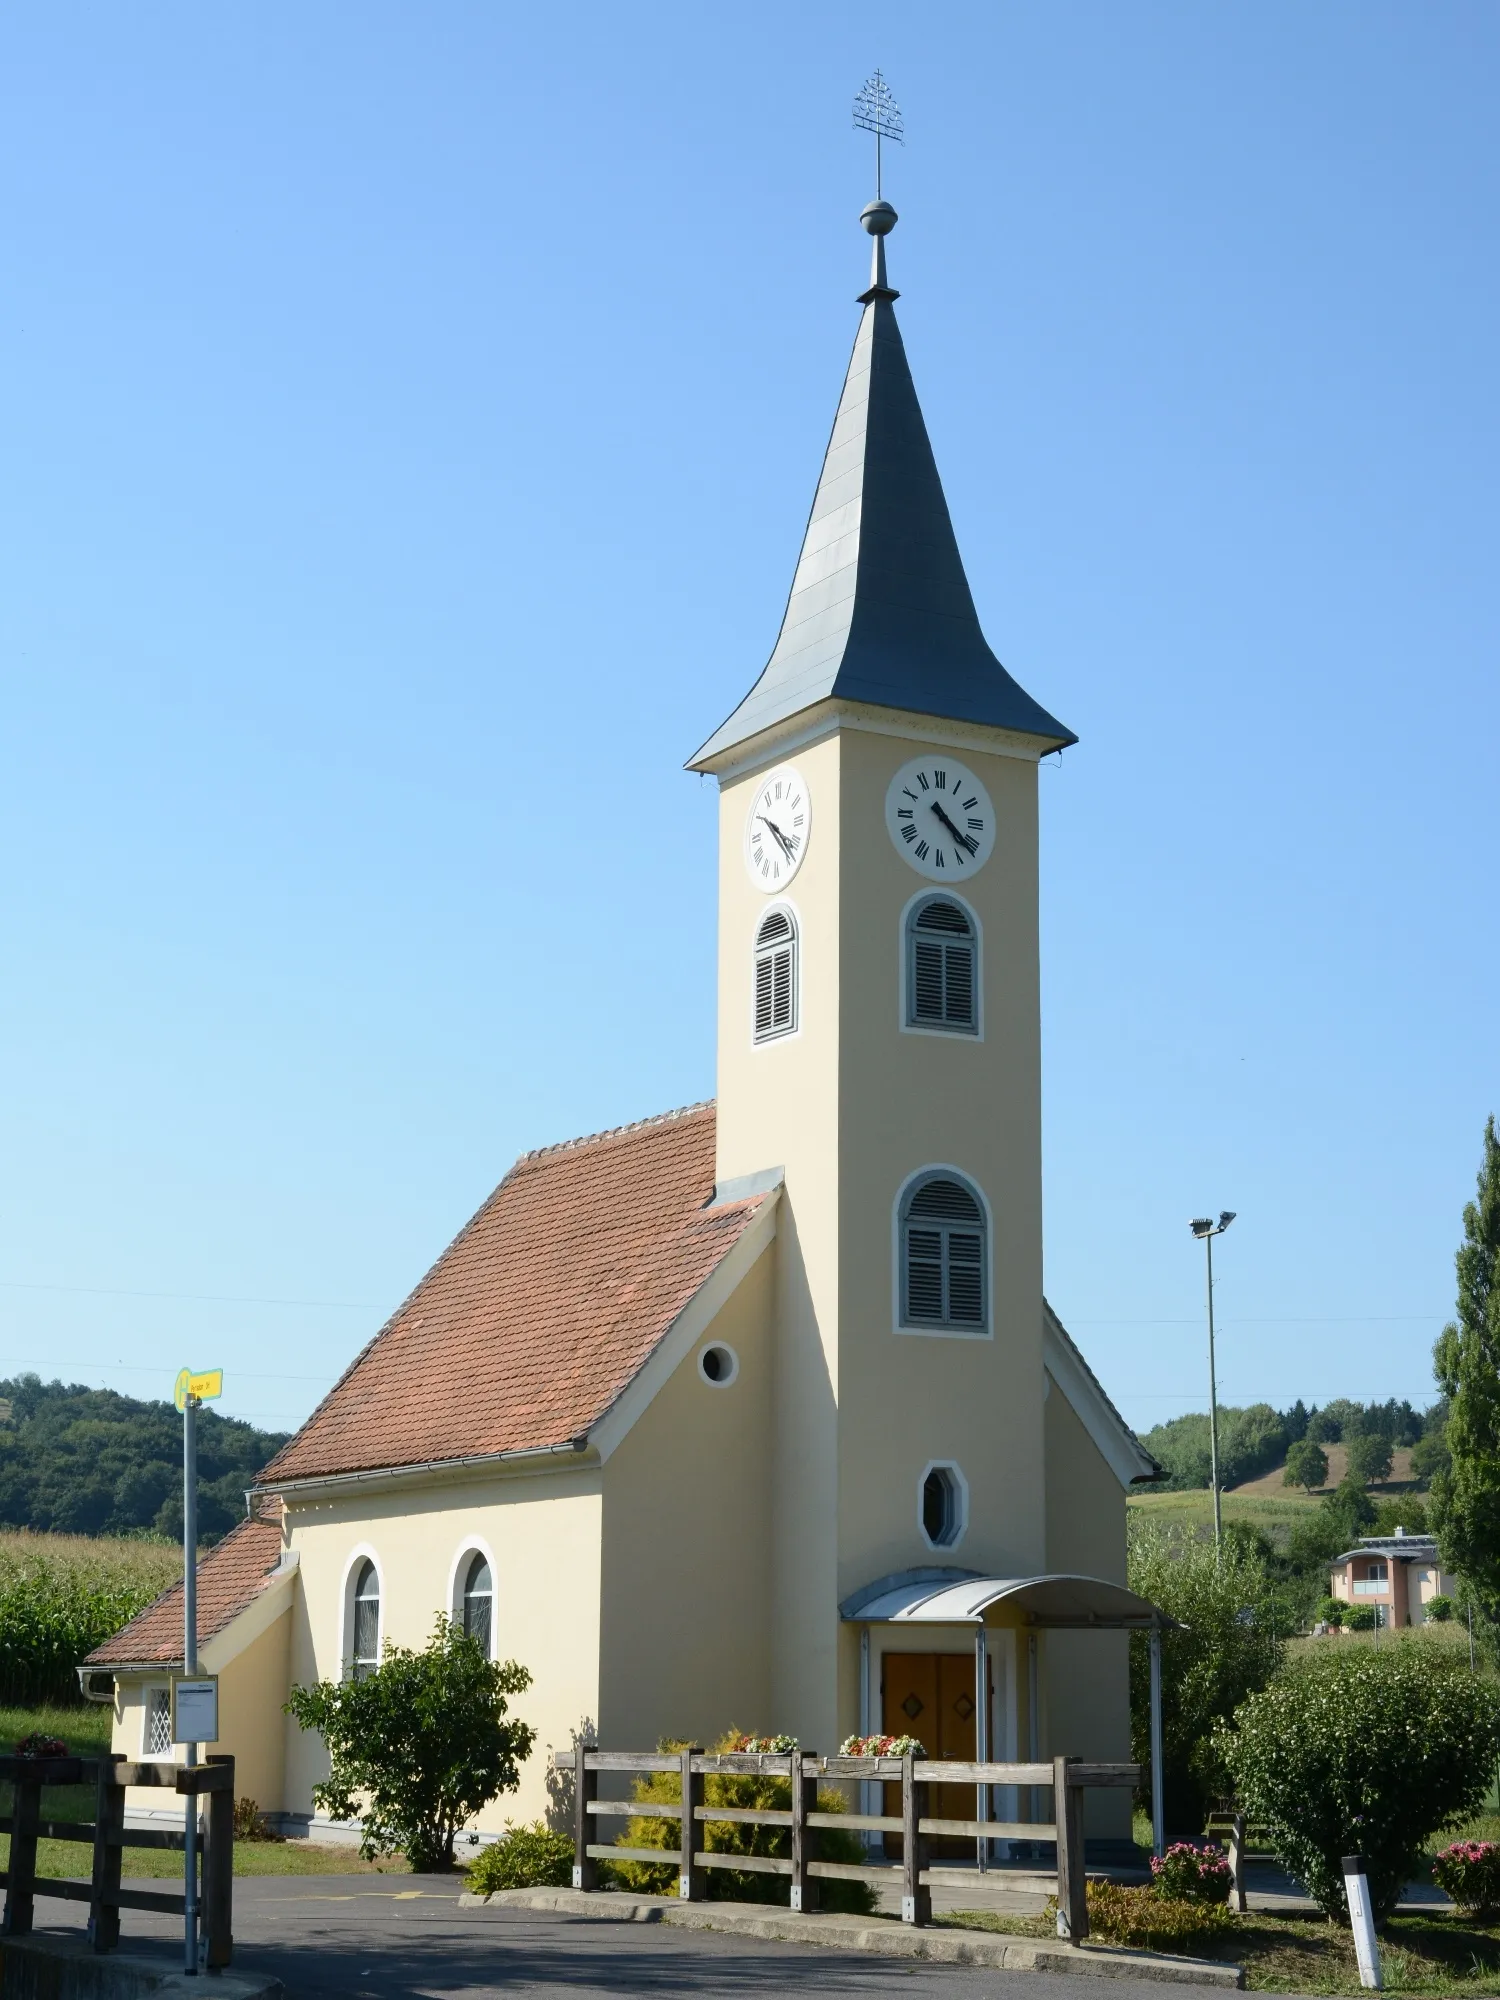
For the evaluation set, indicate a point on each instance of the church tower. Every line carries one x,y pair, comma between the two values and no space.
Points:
878,1041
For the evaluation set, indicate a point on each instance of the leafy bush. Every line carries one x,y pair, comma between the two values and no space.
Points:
1364,1750
1469,1872
250,1823
1140,1917
524,1857
1332,1611
1188,1873
418,1746
1439,1609
748,1792
1360,1618
1208,1666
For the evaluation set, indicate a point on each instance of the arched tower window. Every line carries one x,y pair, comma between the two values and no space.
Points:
479,1601
776,975
943,1255
365,1650
942,966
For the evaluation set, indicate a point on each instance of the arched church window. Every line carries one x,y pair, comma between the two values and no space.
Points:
943,1256
942,966
479,1600
365,1650
776,975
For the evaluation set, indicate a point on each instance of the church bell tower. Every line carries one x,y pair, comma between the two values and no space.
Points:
878,1041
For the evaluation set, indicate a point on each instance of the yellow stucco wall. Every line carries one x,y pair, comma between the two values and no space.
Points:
1086,1697
542,1532
687,1545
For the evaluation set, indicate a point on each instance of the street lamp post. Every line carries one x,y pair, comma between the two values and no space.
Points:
1206,1229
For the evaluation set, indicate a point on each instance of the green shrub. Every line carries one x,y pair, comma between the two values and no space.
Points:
1333,1611
1360,1618
250,1823
1366,1750
524,1857
1439,1609
1151,1922
1189,1873
749,1792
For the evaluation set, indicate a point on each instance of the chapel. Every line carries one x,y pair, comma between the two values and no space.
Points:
753,1413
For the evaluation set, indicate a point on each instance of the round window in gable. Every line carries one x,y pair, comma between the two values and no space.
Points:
943,1506
718,1364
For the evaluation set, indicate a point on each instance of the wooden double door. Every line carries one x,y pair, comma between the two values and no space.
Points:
931,1696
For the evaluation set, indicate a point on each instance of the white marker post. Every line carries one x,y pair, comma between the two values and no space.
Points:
1362,1920
190,1391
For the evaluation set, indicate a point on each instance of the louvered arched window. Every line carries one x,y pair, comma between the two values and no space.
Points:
944,1282
942,966
776,975
365,1649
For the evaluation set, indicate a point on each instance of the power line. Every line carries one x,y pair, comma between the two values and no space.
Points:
188,1298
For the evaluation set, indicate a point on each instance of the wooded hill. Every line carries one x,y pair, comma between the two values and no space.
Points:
1255,1440
90,1462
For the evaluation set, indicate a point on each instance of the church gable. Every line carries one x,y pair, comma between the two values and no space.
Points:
540,1314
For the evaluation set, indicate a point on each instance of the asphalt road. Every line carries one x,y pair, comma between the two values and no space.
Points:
339,1938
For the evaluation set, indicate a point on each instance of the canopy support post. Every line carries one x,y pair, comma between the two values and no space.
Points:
1158,1802
869,1795
982,1735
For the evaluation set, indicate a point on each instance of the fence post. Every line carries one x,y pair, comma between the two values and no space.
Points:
585,1791
20,1889
916,1896
804,1837
690,1880
218,1872
1072,1883
109,1855
1237,1860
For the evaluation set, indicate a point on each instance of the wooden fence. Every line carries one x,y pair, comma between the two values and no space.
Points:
1067,1777
109,1836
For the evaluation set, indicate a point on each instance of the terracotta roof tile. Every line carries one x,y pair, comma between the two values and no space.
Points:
539,1313
230,1577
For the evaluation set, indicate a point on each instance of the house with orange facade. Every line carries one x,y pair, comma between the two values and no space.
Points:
1397,1575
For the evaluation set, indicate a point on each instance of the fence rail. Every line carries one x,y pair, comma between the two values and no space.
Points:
1067,1777
108,1837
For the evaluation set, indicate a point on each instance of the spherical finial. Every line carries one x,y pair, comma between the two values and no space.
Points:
879,218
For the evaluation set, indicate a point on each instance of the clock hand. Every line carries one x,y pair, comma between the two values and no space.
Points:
965,840
781,840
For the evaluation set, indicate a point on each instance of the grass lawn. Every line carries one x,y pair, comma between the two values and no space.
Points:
1420,1955
86,1732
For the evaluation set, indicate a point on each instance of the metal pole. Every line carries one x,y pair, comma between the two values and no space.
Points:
982,1737
190,1668
1213,1401
1158,1802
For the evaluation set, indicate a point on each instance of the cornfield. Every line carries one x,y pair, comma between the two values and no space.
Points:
62,1595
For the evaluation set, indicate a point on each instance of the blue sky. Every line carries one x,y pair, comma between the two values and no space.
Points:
392,398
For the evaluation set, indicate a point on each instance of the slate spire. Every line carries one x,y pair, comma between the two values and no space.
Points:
880,609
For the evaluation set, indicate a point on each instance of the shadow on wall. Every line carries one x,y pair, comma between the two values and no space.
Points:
560,1785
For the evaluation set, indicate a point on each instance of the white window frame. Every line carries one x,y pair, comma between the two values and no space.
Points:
353,1564
960,1500
794,1032
722,1381
471,1546
937,892
939,1170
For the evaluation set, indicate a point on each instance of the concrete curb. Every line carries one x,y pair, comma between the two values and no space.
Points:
889,1939
35,1968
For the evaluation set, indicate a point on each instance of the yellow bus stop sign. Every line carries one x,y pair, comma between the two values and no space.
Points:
204,1388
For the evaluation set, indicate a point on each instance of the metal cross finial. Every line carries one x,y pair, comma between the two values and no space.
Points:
875,110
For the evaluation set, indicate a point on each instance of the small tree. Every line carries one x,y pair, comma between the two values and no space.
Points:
424,1741
1370,1458
1367,1750
1466,1361
1439,1609
1360,1618
1306,1465
1332,1611
1224,1649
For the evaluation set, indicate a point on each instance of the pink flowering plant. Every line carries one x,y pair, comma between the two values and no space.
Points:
881,1746
38,1744
751,1746
1188,1873
1469,1872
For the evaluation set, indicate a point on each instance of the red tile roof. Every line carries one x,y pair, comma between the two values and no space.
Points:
230,1578
542,1309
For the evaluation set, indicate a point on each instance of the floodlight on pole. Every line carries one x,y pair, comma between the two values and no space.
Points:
1205,1229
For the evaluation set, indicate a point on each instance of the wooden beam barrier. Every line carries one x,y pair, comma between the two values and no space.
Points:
916,1896
109,1856
218,1865
585,1801
1072,1883
802,1768
690,1884
25,1817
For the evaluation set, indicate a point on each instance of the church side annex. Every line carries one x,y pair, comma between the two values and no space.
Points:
702,1418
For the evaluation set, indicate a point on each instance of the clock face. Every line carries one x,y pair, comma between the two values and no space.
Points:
940,817
777,824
